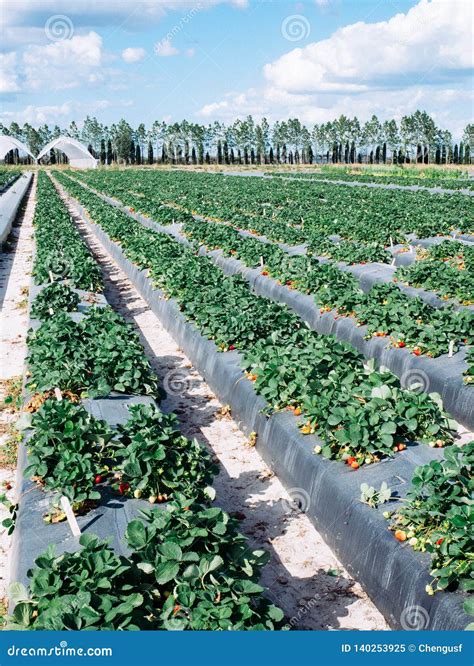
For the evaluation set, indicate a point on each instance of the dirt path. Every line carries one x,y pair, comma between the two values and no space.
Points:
15,275
303,575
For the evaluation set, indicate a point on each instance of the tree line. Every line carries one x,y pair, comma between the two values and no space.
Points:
344,140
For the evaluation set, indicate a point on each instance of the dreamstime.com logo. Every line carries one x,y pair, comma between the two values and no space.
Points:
298,500
59,27
178,27
61,650
414,618
177,382
296,27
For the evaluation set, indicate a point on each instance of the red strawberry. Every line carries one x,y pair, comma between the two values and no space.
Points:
440,541
123,487
231,347
98,478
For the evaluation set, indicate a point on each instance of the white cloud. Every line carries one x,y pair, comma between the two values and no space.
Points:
65,64
321,3
415,60
38,115
61,114
448,106
8,75
165,49
432,38
139,15
190,53
131,54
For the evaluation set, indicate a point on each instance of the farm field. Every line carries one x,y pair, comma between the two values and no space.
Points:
7,176
370,377
430,178
237,332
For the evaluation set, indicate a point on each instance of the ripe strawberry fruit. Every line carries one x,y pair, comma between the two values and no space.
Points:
355,465
123,487
98,478
400,535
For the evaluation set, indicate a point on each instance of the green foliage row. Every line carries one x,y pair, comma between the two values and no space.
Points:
355,409
291,211
189,569
60,251
439,516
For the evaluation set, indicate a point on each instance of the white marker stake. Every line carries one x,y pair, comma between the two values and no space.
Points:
58,394
393,262
391,241
451,348
51,276
71,518
261,262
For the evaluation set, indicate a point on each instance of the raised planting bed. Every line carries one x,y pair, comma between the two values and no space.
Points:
285,211
7,178
10,202
443,375
99,452
359,257
392,573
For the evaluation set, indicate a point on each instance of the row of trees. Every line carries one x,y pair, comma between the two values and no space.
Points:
415,138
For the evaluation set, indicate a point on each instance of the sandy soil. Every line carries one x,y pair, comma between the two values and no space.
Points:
15,272
303,575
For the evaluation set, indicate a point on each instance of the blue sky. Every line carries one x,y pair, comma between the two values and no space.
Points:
221,59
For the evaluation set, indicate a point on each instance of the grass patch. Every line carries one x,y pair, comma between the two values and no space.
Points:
9,449
23,304
12,388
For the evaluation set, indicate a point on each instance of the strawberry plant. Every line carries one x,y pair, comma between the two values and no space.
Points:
356,411
155,459
68,445
8,176
201,570
352,252
438,517
90,589
289,212
60,251
56,297
225,310
446,268
399,177
189,569
98,354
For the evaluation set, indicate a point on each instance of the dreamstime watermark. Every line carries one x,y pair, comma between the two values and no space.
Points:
414,618
298,500
296,619
177,382
296,27
59,27
61,650
415,380
179,26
